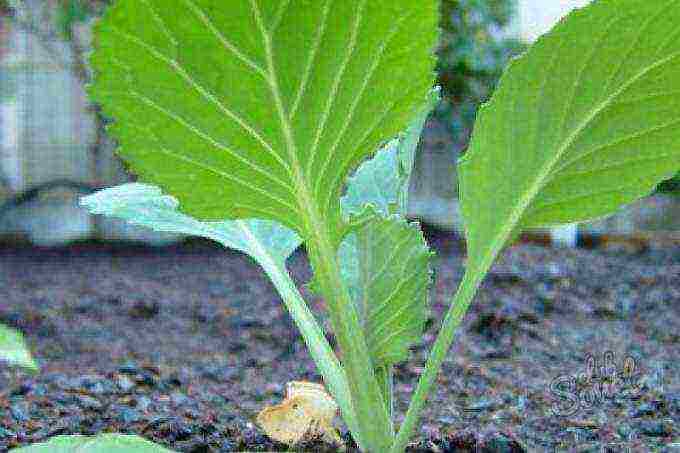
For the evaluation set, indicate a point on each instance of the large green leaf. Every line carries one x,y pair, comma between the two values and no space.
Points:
386,265
267,242
103,443
586,121
13,349
260,108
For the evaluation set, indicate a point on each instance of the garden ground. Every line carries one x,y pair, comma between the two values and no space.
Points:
184,345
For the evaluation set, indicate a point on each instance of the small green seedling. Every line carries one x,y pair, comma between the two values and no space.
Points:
253,114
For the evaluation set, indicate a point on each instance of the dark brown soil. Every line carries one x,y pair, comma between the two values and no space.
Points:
184,345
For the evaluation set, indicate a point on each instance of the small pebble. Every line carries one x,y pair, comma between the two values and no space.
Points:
501,443
673,401
178,399
625,431
6,433
22,390
92,383
19,412
129,369
143,403
645,410
484,404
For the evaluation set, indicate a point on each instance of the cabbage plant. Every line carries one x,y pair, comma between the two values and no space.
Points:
266,124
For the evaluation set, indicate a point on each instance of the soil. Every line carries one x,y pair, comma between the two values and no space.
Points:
184,345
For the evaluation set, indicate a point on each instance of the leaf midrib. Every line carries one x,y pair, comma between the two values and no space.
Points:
307,207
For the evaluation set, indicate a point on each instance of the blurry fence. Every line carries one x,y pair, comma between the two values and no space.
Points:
52,148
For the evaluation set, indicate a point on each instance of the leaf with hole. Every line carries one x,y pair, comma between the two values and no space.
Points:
383,181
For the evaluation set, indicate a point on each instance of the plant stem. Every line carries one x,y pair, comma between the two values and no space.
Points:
459,306
367,398
375,433
325,359
385,376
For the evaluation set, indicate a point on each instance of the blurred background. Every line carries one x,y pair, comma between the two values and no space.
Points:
53,147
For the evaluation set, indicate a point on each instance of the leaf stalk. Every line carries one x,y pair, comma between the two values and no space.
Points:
375,427
459,306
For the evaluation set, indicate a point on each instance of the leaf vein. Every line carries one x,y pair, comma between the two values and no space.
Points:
648,97
375,63
198,11
623,163
177,68
384,304
231,177
569,106
590,194
283,8
159,20
310,62
672,37
598,110
332,96
195,130
639,134
388,261
634,45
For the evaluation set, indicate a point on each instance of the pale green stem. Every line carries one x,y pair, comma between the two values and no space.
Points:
385,376
369,408
459,306
374,425
325,359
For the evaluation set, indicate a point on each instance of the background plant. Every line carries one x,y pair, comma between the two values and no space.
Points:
474,47
13,349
